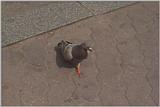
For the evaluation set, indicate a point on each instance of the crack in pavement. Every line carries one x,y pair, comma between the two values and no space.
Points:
125,95
100,72
90,10
20,92
20,96
121,64
151,12
47,93
143,59
48,84
98,69
147,79
75,89
39,66
101,88
70,98
72,95
123,71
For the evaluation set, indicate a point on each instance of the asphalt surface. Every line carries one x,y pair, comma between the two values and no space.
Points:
122,69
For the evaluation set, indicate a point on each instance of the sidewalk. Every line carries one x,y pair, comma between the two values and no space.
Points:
122,70
22,20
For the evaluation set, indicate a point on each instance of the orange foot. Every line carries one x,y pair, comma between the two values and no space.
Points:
78,70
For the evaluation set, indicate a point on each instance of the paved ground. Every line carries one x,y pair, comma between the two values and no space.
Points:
21,20
122,70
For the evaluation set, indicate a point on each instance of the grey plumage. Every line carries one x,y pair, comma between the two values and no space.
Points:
73,53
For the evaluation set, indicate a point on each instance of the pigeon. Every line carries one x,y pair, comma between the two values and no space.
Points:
74,53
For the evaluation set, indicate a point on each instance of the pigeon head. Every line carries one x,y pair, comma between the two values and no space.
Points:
60,43
86,47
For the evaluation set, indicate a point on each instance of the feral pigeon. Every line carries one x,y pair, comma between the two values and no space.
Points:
74,53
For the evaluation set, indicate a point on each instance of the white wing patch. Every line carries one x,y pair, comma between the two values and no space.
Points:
68,53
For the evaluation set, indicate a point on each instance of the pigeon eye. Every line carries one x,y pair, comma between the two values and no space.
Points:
59,44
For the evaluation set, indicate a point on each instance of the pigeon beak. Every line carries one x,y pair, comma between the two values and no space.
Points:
90,49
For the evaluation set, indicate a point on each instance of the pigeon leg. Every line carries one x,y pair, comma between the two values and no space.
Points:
78,69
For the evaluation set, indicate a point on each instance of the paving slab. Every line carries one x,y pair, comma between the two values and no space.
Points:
24,19
21,20
122,69
100,7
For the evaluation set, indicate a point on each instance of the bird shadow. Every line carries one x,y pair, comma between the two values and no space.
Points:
61,63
